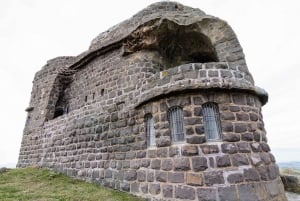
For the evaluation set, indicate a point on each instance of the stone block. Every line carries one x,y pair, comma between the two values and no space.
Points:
199,130
228,193
209,149
196,139
263,173
141,175
181,164
229,137
227,116
255,147
162,152
213,177
189,150
265,157
167,164
242,117
251,175
194,179
229,148
246,192
167,191
163,141
265,147
239,159
223,161
240,127
227,126
144,187
134,187
244,147
125,186
176,177
155,164
273,171
199,163
130,175
273,188
150,176
235,178
207,194
161,176
154,189
198,111
174,151
183,192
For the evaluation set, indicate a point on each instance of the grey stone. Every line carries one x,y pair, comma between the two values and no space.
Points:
161,176
209,149
167,191
227,193
189,150
207,194
181,164
223,161
167,164
155,163
196,139
247,192
213,177
229,148
183,192
130,175
239,159
154,189
199,163
176,177
231,137
235,178
251,174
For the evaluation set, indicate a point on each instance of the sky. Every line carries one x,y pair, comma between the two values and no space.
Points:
34,31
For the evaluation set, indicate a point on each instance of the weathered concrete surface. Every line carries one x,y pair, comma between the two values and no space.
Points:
86,116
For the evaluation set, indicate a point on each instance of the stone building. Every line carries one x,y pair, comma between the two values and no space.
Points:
161,105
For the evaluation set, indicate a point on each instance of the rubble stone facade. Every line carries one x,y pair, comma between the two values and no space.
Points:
150,78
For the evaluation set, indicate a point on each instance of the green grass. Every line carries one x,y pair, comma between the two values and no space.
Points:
37,184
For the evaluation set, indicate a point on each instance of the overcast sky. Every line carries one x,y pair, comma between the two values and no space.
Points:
34,31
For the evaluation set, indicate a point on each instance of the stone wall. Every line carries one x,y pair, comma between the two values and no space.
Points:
87,115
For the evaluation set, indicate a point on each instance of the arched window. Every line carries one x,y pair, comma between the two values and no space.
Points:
211,118
175,116
150,132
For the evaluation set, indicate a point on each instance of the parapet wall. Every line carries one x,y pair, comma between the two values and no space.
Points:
87,114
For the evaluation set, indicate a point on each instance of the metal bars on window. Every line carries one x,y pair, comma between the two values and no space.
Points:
150,132
211,118
175,116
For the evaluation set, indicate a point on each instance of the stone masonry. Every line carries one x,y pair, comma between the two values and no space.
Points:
86,116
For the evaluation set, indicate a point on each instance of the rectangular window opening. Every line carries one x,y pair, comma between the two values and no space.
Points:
150,132
212,125
175,116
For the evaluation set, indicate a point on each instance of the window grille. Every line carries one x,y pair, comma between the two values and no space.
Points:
211,118
175,116
150,132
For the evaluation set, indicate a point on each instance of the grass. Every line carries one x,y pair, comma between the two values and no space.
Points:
37,184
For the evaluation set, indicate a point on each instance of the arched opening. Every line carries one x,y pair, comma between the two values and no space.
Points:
180,47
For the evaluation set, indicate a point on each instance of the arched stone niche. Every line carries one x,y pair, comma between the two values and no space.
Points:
176,44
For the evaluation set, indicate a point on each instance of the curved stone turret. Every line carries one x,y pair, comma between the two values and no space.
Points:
161,105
